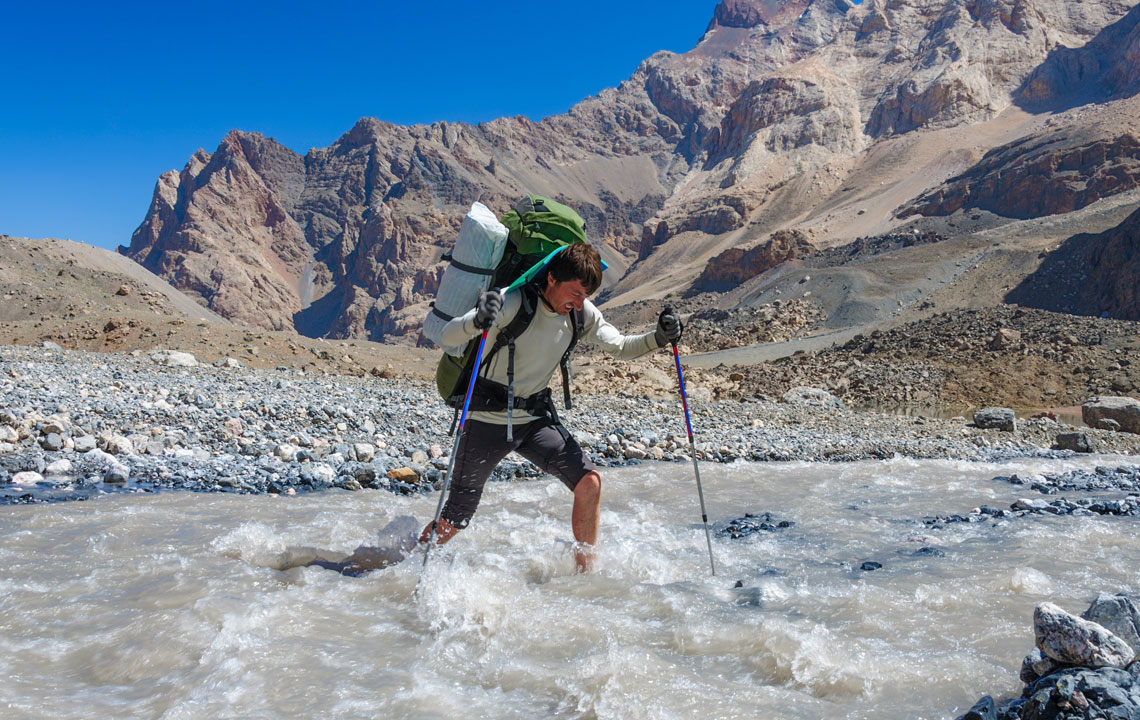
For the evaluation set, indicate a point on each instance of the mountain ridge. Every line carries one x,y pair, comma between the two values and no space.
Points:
777,120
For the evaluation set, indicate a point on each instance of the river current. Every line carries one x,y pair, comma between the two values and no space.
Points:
165,605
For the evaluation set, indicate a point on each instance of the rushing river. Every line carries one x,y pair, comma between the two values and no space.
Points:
163,606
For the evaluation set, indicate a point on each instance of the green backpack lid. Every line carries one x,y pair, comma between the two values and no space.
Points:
539,225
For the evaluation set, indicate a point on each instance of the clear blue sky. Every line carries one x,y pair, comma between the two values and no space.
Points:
98,99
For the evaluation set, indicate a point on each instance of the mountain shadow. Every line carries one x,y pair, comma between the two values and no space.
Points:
1089,274
1102,68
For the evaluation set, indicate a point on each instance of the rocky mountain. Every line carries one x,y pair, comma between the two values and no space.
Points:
822,118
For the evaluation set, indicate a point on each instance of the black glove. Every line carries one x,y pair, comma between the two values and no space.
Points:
669,327
487,309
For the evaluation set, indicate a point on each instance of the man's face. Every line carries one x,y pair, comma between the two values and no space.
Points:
563,296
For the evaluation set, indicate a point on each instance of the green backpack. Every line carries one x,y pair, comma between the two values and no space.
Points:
538,228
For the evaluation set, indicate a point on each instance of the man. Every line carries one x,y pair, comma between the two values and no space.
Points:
561,291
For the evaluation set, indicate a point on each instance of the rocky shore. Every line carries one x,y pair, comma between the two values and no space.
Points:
1079,668
75,424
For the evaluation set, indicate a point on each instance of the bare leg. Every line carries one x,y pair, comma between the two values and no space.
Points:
585,519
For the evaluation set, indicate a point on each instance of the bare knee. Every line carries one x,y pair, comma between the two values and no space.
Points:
589,487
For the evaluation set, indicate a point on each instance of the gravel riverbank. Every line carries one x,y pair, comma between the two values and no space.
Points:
75,424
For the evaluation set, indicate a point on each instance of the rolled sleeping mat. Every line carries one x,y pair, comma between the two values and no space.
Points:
477,252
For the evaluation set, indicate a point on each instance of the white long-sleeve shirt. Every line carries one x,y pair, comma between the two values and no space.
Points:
539,349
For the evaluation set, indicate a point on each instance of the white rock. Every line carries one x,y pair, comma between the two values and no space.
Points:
173,358
119,445
28,477
1069,639
286,451
59,467
324,473
8,435
364,452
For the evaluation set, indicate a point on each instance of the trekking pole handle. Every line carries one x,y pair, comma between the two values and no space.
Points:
681,380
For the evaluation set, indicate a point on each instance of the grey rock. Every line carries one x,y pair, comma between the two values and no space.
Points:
51,347
995,418
1118,614
1036,664
984,709
1071,640
1123,410
1075,441
116,475
85,443
51,442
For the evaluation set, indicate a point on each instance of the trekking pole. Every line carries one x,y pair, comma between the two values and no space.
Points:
692,448
454,453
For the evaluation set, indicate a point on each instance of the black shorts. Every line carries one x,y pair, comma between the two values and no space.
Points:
484,445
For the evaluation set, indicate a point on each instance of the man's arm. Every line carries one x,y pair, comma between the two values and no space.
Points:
459,330
623,347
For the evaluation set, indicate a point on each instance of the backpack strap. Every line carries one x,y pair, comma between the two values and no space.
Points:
576,325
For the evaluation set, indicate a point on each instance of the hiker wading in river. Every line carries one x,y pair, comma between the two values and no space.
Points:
562,315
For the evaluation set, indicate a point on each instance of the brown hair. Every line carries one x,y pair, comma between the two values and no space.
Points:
579,261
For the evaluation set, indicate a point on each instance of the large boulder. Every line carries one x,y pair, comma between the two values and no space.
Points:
1122,410
1071,640
173,358
995,418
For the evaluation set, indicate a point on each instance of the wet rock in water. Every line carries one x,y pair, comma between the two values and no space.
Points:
27,477
870,565
117,475
929,551
984,709
1076,442
1117,614
1125,411
752,524
1071,640
995,418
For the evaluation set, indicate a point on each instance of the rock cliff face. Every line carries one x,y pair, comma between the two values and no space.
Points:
737,265
1089,274
755,130
1040,175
